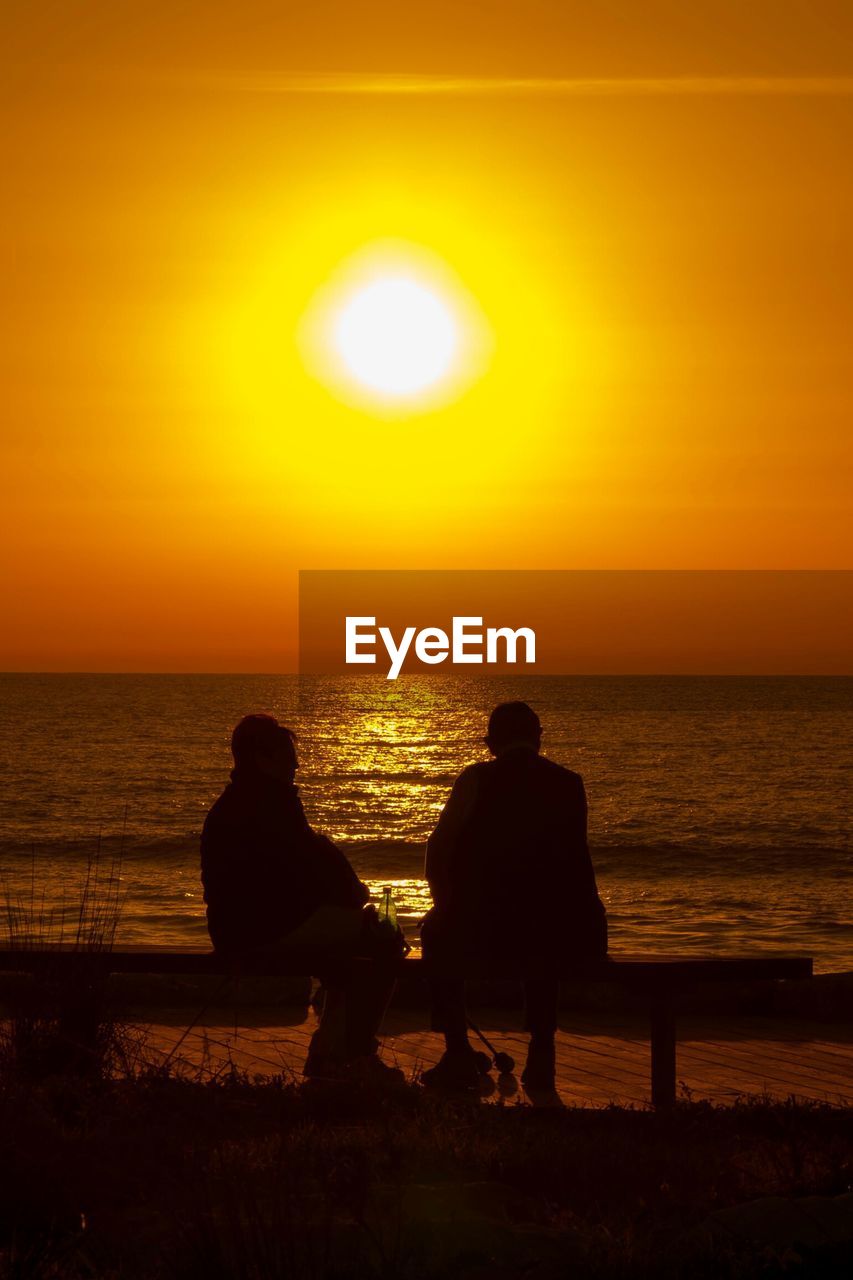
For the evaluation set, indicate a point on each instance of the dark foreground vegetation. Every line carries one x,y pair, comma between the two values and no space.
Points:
151,1175
114,1165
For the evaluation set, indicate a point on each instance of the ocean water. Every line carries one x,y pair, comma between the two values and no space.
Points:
719,806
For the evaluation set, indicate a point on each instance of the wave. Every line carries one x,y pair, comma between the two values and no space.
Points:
706,858
379,775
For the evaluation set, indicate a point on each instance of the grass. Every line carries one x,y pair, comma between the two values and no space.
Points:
89,923
65,1019
155,1175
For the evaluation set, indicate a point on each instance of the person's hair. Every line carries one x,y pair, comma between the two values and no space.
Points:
513,722
259,732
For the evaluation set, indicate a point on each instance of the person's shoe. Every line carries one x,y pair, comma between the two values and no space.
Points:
540,1070
454,1071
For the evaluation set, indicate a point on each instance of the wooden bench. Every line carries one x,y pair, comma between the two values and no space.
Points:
661,980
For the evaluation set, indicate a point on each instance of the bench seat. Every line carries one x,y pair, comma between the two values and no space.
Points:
661,978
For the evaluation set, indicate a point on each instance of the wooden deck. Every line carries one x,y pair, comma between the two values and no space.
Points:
601,1059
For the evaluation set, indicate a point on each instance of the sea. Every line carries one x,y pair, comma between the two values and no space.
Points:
719,807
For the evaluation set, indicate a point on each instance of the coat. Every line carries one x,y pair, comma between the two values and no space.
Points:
264,870
508,863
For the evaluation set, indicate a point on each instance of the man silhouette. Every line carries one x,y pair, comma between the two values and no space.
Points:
513,886
274,887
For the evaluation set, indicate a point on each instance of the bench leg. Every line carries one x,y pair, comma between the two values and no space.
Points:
663,1053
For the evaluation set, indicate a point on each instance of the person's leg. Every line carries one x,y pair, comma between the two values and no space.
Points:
540,1007
329,1041
368,988
444,953
449,1014
333,931
459,1067
330,926
540,1019
444,950
358,979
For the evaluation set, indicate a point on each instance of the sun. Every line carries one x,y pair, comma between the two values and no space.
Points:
396,336
392,331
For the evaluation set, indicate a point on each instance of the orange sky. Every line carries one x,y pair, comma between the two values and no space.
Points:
650,206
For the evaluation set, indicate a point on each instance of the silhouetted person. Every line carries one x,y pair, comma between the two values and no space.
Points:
273,886
513,886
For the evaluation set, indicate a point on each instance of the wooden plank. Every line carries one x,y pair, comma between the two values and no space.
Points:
608,1068
782,1059
585,1076
793,1050
751,1026
716,1060
741,1033
759,1066
635,1063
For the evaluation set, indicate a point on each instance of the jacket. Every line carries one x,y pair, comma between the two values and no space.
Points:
264,870
508,862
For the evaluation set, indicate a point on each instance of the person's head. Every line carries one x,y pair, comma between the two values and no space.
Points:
261,745
513,724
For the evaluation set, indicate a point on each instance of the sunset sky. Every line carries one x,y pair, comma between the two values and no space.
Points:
640,217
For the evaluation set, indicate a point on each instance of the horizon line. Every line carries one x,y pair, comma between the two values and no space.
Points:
498,675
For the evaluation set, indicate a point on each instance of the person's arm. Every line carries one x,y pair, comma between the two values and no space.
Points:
227,881
339,878
583,872
442,842
578,841
215,876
